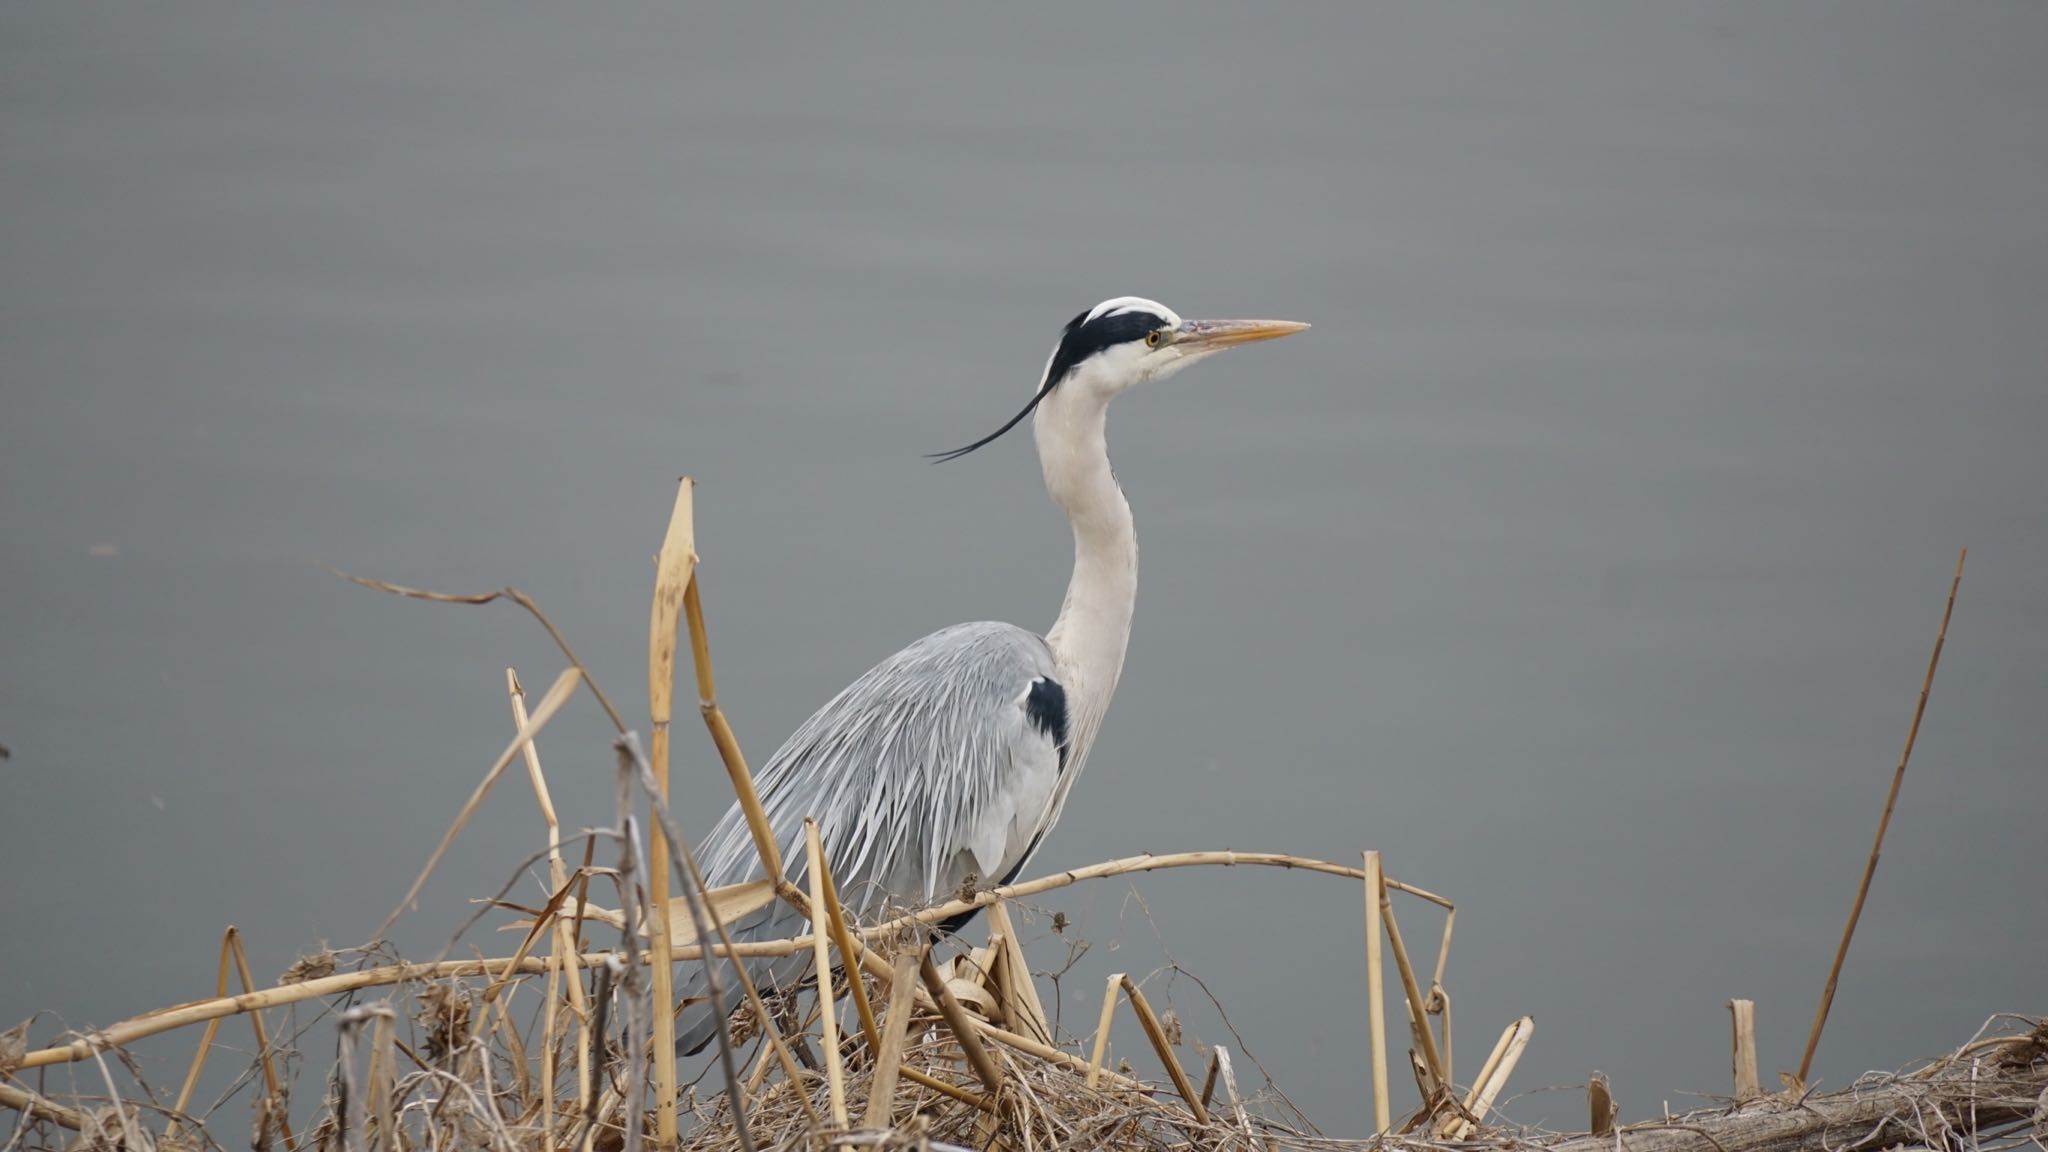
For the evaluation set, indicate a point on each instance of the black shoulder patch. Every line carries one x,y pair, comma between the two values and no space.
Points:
1046,706
1084,338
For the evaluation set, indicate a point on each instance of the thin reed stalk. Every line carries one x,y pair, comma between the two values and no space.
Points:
1891,800
220,988
1417,1021
272,1086
562,953
828,1010
557,694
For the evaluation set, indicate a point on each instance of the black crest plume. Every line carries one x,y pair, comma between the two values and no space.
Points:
1079,340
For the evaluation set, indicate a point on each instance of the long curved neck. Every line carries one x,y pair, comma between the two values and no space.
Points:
1094,626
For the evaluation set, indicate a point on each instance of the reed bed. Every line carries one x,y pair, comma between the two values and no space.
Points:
901,1040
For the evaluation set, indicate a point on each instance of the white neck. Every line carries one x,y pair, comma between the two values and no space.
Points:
1094,625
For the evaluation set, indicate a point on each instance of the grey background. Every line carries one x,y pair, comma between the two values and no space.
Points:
1584,558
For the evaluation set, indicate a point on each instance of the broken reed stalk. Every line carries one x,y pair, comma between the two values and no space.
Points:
1827,996
850,950
1375,1007
1507,1054
220,988
828,1009
1157,1034
562,953
1418,1022
1244,1122
1102,1023
270,1082
1742,1016
722,736
889,1053
383,1078
673,568
962,1026
1439,998
1020,992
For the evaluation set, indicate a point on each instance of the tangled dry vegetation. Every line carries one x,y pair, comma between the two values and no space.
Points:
563,1044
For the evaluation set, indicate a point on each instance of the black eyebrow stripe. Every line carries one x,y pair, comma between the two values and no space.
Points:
1080,339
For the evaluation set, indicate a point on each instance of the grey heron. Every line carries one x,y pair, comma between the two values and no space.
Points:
953,758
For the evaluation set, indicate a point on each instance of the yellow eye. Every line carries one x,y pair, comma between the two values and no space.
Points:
1152,338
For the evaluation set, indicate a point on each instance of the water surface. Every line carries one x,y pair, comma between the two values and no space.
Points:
1584,558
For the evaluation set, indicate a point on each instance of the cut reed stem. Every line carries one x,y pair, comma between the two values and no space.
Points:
1102,1023
1375,985
1742,1017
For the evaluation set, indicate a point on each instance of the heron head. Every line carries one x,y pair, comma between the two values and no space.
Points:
1126,340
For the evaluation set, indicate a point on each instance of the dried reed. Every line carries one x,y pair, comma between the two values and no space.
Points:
1891,800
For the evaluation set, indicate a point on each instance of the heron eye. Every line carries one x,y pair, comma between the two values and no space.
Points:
1153,337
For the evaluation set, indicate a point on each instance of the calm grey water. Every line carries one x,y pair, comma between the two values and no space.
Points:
1584,558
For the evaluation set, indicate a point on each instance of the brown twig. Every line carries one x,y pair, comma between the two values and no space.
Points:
1827,996
516,597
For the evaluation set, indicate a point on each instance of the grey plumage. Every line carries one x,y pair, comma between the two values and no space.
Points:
925,769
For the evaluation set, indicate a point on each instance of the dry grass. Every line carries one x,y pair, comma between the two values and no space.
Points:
563,1044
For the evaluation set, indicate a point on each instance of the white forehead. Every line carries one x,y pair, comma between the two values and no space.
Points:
1122,304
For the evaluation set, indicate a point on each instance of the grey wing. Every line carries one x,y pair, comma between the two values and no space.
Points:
942,760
